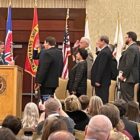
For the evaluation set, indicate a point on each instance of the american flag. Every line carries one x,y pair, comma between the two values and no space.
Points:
66,49
9,38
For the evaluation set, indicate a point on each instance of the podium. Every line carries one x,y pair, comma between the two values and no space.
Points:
10,91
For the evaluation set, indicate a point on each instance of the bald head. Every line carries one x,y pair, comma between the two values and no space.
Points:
98,128
52,106
84,42
61,135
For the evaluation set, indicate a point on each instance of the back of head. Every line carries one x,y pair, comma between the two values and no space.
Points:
132,35
61,135
122,106
98,128
112,112
51,41
84,100
133,111
72,103
52,106
95,104
6,134
105,39
30,115
53,124
13,123
83,52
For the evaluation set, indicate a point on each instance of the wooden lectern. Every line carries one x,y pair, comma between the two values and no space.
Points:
10,91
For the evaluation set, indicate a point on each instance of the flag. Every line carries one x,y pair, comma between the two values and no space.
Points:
87,30
66,49
118,40
9,39
31,64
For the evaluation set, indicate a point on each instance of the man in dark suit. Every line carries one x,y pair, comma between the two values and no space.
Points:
49,69
101,69
129,67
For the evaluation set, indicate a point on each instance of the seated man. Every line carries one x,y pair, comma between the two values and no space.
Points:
98,128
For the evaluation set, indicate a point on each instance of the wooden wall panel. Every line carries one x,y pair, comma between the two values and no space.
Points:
51,23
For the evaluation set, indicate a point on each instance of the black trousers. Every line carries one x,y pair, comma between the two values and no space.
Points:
46,92
127,91
103,92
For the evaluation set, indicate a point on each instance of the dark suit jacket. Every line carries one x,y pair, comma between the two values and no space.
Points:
36,54
50,67
129,64
131,127
78,78
101,69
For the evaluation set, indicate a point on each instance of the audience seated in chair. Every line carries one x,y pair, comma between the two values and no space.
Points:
113,113
53,108
53,124
84,100
95,104
73,109
99,128
61,135
13,123
130,126
133,112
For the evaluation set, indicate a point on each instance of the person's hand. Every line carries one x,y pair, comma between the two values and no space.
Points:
97,84
76,44
37,46
41,106
12,63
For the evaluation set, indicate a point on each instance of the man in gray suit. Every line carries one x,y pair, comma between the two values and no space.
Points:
84,43
129,67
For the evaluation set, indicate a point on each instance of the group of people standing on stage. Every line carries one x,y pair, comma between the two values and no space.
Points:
99,71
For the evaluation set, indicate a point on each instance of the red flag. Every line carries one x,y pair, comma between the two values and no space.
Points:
66,49
9,39
31,64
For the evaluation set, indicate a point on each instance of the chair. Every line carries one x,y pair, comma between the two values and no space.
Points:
136,88
79,135
112,90
61,92
89,88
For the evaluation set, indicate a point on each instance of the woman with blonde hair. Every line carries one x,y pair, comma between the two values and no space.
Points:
95,104
73,109
72,103
30,116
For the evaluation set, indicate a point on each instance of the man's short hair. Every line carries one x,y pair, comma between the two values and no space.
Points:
84,100
51,40
99,127
61,135
13,123
86,39
52,105
112,112
105,39
132,35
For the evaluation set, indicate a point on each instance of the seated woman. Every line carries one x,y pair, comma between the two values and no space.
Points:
73,109
77,83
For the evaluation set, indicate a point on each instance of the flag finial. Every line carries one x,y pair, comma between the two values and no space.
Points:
10,1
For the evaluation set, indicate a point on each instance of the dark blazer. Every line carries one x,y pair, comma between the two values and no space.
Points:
2,60
101,69
50,67
129,64
36,54
78,78
131,127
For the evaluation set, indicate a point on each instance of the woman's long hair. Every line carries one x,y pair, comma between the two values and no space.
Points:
30,115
